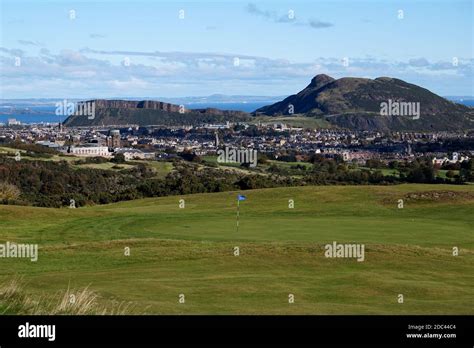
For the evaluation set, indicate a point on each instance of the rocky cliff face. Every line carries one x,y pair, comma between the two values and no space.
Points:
131,104
150,112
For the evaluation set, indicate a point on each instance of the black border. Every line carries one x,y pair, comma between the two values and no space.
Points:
239,330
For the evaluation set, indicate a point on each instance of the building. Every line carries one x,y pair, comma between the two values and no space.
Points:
113,139
13,122
89,151
131,154
218,126
50,144
217,139
454,159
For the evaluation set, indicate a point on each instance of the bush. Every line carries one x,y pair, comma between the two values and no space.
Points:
96,160
9,192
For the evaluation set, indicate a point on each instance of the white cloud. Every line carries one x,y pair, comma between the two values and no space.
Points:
287,18
88,72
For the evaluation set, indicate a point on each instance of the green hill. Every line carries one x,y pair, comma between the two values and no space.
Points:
190,251
356,103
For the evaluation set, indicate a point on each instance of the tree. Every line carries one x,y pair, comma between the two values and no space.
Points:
374,163
262,159
466,173
118,158
450,174
190,156
393,165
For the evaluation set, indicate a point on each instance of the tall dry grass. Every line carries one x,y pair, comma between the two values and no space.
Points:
14,300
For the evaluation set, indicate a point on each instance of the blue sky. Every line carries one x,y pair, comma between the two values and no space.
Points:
143,48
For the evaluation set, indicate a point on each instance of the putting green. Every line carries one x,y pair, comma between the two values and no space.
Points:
192,250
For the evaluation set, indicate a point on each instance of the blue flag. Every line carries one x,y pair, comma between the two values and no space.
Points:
241,198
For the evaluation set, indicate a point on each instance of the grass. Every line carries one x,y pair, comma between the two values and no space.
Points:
213,160
440,173
288,165
190,251
10,150
105,166
13,300
161,168
56,158
384,171
294,121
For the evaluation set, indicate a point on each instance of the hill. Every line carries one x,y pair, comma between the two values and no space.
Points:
191,250
149,112
356,103
351,103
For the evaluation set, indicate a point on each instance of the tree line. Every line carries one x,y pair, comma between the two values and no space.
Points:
56,183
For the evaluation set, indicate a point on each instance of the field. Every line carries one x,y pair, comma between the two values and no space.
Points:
440,173
295,120
190,251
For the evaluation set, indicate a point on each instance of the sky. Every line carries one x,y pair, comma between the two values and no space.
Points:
117,48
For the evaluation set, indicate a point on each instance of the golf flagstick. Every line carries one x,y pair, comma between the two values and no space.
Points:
238,213
239,198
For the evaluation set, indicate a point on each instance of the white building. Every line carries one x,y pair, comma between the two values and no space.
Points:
445,160
218,126
13,122
280,127
131,154
90,151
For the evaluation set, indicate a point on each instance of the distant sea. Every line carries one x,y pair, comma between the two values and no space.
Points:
46,113
38,114
466,102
